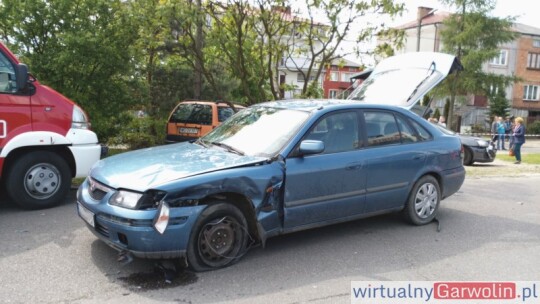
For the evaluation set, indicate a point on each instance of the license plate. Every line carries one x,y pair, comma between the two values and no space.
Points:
188,130
86,215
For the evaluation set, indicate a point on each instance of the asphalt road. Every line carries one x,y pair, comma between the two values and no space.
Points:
490,231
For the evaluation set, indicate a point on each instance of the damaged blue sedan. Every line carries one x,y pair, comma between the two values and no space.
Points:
280,167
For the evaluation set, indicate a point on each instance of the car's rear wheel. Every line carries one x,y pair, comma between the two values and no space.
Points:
468,157
218,239
423,202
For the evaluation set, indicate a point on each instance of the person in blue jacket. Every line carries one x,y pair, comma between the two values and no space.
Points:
519,138
500,134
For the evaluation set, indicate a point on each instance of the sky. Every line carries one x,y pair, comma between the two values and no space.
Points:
526,11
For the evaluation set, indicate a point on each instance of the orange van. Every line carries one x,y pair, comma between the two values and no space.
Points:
193,119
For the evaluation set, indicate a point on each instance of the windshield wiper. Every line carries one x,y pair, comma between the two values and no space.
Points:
227,147
201,142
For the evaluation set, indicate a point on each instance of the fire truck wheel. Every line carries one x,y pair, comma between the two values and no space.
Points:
38,180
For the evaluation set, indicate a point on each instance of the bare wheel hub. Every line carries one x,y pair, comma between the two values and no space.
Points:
217,239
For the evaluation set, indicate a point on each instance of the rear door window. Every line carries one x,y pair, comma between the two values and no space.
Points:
224,113
192,113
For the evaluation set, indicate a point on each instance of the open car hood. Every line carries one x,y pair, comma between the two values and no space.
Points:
403,80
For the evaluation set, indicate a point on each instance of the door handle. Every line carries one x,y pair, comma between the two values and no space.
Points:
353,166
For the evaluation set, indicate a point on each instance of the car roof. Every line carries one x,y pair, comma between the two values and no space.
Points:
312,105
207,102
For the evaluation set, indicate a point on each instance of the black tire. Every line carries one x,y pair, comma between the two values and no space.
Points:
468,157
38,180
423,202
218,239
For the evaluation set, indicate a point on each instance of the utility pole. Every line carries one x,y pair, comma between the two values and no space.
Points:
197,75
422,13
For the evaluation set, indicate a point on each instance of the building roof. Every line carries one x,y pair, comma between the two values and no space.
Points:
433,18
345,63
439,17
526,29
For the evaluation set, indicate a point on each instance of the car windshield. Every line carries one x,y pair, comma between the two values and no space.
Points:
258,131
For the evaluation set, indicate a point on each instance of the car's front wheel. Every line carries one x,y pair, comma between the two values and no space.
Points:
423,202
468,157
218,239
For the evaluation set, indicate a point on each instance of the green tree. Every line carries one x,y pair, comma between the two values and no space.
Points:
446,107
474,37
321,42
194,40
498,104
78,48
234,33
437,113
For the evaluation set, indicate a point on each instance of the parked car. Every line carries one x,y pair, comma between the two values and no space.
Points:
276,168
475,149
193,119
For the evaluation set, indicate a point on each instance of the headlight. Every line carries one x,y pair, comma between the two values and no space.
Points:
482,143
79,120
126,199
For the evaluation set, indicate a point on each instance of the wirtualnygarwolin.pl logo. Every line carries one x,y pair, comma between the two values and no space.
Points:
435,292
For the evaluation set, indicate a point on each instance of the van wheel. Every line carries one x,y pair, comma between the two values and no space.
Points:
423,202
218,239
38,180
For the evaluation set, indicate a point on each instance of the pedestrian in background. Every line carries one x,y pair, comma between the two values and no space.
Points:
511,133
501,131
442,121
494,129
519,138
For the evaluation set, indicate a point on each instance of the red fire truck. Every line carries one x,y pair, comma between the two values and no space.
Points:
45,138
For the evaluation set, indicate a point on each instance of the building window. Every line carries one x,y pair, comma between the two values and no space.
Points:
333,94
536,43
530,92
500,59
300,77
346,77
533,61
334,76
493,89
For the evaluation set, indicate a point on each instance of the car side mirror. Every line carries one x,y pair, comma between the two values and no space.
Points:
308,147
22,76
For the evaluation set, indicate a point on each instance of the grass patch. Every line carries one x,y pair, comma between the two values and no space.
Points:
504,166
116,151
533,159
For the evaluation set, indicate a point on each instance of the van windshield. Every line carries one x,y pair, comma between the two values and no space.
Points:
192,113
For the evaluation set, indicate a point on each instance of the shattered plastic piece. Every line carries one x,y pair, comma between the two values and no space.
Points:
124,257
